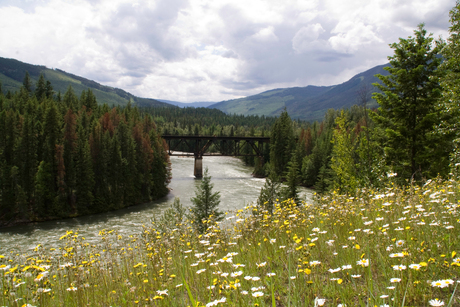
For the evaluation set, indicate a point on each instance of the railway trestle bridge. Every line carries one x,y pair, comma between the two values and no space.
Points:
198,146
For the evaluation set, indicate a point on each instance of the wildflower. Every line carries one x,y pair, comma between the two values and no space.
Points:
316,229
72,289
383,296
244,292
271,274
415,266
400,255
399,267
162,292
346,267
393,280
356,276
363,262
236,274
442,283
258,294
320,301
400,243
200,271
436,302
247,277
315,263
255,278
334,270
272,241
259,265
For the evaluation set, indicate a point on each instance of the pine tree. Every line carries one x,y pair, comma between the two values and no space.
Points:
205,204
292,180
281,143
40,88
450,102
27,83
408,107
270,192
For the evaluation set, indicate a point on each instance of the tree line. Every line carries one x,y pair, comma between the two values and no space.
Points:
411,137
68,156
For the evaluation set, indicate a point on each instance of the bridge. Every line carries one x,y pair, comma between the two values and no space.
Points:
198,146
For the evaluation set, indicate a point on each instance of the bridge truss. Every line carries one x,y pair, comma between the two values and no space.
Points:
198,146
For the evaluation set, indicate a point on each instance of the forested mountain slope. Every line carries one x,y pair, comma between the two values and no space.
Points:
307,103
12,74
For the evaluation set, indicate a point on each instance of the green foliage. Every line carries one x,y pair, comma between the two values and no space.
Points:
408,108
270,192
450,102
282,143
172,218
292,181
342,162
205,204
73,157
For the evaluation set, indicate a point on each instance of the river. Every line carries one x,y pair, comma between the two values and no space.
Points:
229,175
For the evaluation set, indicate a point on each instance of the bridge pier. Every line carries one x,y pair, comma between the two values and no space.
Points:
198,172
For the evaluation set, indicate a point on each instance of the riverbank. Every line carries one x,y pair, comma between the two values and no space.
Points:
396,247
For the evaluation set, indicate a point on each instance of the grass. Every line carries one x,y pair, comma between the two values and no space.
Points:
396,247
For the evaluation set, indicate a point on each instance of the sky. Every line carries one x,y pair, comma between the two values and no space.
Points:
212,50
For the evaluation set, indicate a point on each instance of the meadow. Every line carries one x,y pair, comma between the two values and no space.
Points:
391,247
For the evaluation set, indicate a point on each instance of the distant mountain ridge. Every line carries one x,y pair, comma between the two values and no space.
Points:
198,104
12,74
306,103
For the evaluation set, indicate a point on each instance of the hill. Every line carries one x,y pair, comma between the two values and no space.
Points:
198,104
306,103
12,73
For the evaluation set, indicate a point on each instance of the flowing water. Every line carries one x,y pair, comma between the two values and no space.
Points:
229,175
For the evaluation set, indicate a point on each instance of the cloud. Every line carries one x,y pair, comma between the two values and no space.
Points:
306,39
205,50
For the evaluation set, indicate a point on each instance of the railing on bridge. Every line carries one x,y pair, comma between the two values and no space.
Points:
198,146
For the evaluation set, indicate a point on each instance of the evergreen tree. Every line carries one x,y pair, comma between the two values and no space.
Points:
342,162
281,143
408,107
205,204
270,192
450,102
292,180
27,83
40,88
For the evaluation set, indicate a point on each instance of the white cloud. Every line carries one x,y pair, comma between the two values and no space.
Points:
350,36
306,39
195,50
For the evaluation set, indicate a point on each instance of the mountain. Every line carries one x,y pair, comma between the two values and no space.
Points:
199,104
306,103
12,73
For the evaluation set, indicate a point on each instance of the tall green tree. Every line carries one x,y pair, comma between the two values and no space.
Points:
40,88
408,107
450,83
281,143
342,162
205,204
